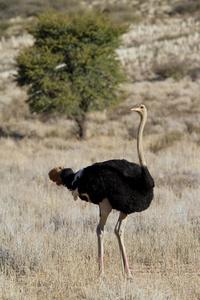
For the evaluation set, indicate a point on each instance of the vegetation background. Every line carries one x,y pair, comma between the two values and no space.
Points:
48,247
72,68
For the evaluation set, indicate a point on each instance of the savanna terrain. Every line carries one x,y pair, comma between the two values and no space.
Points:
48,244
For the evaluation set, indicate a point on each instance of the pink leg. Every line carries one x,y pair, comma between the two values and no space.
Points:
119,231
105,209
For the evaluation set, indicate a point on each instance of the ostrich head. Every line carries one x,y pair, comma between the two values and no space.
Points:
141,109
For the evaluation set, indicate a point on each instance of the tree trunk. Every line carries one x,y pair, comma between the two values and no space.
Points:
81,122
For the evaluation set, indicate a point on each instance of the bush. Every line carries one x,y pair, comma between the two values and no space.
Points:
185,7
174,68
167,140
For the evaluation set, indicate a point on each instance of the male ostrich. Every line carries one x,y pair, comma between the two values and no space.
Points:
113,184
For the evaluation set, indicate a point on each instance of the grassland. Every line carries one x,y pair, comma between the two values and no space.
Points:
48,241
48,244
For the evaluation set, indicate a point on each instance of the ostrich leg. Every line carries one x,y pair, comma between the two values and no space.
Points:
105,209
119,231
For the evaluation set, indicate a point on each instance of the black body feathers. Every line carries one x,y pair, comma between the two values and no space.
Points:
67,176
127,186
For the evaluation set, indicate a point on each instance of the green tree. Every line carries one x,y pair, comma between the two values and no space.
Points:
72,68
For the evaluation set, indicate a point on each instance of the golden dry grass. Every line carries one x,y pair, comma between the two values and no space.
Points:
48,241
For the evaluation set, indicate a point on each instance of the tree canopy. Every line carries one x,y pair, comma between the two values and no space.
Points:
72,67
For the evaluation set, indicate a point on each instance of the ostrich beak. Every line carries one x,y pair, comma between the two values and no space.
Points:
136,108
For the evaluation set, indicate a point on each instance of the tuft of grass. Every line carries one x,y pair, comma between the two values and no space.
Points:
187,7
4,25
168,37
122,13
165,141
173,68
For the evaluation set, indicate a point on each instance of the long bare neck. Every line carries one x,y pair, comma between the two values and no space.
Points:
139,140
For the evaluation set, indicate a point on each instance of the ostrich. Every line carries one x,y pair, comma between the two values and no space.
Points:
113,184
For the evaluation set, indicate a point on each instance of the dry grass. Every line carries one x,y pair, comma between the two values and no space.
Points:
48,241
173,68
128,10
165,43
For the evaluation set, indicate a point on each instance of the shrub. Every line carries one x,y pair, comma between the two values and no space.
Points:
185,7
173,68
165,141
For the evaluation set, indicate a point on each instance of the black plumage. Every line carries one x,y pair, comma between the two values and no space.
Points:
127,186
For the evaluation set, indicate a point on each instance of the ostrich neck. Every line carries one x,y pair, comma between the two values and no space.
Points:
139,140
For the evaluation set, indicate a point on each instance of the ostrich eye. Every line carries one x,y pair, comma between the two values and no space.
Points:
142,106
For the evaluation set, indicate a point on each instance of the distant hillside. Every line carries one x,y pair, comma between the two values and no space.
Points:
129,10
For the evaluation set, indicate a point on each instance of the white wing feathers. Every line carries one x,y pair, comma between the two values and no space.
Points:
75,192
78,175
